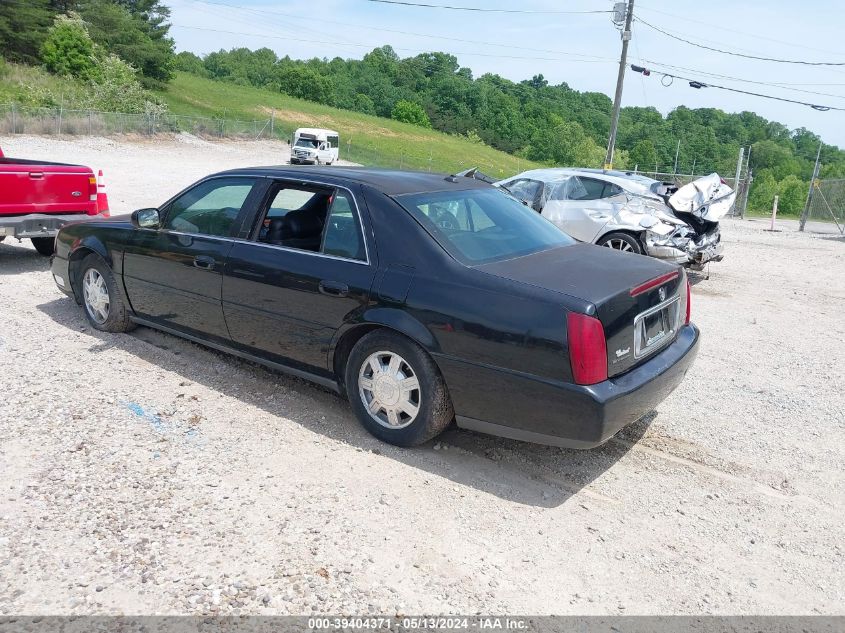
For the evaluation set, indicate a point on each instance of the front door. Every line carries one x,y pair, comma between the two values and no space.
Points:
304,272
173,275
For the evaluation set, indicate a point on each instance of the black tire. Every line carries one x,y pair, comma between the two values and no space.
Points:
44,245
435,411
117,313
613,240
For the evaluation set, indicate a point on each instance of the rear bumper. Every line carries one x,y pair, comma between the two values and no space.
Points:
38,224
562,414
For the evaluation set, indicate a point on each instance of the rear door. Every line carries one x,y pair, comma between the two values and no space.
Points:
305,270
173,275
582,206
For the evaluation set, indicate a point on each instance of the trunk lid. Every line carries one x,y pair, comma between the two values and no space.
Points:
631,311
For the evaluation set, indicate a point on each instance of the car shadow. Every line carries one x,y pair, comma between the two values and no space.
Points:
16,259
521,472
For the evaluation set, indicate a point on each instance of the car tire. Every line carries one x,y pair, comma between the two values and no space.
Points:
624,242
396,390
44,245
101,299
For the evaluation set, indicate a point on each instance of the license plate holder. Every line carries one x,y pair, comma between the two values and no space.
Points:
655,327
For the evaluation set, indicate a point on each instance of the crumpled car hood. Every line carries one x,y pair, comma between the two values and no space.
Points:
708,198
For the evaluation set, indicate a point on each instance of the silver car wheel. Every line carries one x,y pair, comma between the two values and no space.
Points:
96,295
389,389
619,245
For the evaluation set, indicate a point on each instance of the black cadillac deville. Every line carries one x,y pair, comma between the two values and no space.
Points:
423,298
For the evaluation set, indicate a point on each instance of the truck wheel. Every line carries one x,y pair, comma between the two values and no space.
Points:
396,390
44,245
101,299
621,242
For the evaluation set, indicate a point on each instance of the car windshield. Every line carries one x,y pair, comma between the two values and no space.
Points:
478,226
304,142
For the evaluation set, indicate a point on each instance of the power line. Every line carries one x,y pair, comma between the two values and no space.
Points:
483,10
730,30
735,53
699,84
410,50
399,32
782,86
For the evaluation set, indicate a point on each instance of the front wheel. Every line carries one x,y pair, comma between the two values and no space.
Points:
44,245
104,306
396,390
621,242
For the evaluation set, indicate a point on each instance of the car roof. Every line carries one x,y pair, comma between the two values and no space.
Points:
393,182
550,174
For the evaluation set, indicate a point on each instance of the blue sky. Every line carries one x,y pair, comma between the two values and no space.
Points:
581,50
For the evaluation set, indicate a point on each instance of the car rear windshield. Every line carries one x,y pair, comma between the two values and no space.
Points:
478,226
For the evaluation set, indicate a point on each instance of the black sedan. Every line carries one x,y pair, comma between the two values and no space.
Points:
423,298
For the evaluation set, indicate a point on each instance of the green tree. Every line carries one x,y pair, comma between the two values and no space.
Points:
114,87
763,191
190,63
643,155
136,31
68,49
410,112
23,28
297,80
792,192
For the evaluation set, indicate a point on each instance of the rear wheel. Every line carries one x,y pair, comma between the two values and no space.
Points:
621,242
396,390
101,298
44,245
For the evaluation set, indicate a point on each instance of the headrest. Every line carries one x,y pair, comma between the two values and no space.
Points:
303,224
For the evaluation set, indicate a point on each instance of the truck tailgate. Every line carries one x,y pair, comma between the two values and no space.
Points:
29,187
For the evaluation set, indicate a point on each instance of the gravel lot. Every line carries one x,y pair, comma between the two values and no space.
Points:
140,473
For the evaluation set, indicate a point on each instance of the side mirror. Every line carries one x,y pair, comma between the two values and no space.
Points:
146,219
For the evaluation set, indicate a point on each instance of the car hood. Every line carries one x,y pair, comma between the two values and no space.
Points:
592,273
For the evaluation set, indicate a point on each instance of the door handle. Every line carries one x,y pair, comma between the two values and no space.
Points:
36,174
334,288
204,261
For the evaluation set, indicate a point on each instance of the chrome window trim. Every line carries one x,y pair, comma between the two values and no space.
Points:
300,250
639,350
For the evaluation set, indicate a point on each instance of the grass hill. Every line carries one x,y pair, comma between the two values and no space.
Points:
365,139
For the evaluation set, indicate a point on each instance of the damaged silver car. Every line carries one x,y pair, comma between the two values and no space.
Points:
631,212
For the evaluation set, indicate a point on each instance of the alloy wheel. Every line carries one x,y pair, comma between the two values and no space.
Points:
389,389
619,245
96,295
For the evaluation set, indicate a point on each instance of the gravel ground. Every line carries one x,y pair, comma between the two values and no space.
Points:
140,473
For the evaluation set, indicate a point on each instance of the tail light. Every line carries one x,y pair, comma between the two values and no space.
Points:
587,349
689,303
92,188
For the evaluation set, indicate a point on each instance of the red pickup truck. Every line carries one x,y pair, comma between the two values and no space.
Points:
37,198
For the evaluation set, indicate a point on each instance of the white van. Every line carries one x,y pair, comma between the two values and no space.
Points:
315,146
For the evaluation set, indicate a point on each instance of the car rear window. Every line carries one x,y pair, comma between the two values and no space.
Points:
478,226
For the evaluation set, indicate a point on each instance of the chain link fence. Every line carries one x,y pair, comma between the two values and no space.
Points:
16,119
826,203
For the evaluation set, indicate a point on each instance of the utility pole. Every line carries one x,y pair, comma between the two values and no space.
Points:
806,211
738,174
677,151
617,99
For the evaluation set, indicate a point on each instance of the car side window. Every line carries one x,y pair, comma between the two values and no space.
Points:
295,216
524,189
611,190
581,188
210,208
342,237
312,218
